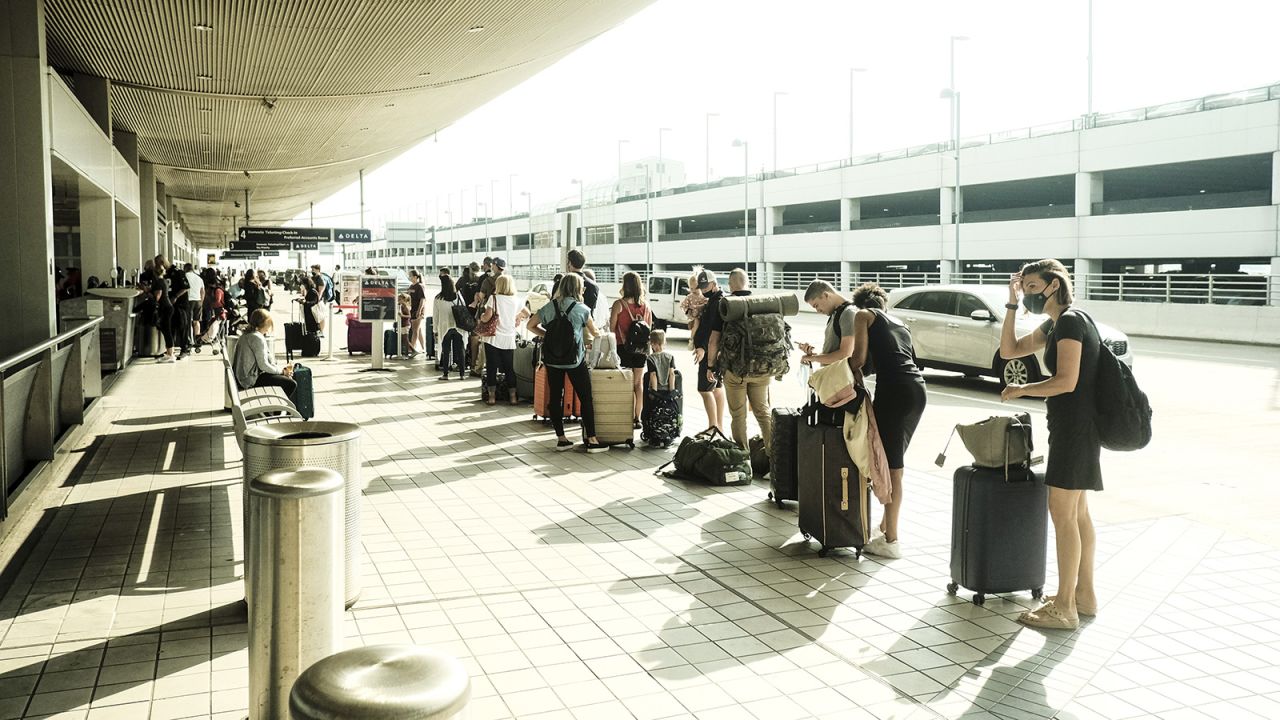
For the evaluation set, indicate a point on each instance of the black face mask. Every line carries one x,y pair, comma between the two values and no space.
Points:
1034,303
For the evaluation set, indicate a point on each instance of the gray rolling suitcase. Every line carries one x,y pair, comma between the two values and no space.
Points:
835,499
525,363
999,531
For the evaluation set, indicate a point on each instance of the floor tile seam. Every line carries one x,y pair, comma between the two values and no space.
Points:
1153,607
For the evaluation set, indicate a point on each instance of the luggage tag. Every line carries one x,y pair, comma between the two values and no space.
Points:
942,456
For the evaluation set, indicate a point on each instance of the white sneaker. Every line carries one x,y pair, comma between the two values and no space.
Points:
167,359
883,548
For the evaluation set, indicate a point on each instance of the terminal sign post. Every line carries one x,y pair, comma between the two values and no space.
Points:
377,307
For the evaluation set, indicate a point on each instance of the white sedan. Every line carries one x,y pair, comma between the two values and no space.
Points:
957,327
538,295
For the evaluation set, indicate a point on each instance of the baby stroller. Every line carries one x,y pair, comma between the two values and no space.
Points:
216,334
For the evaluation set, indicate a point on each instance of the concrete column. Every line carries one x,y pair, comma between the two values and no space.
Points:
1089,191
850,212
160,221
848,275
946,198
615,236
147,208
94,93
97,233
774,217
26,205
129,253
1275,281
127,144
1084,267
1275,179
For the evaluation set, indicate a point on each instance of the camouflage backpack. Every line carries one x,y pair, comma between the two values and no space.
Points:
756,345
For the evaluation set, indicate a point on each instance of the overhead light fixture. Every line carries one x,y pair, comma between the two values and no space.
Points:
475,28
205,109
1202,192
388,105
204,132
202,76
363,129
202,27
424,74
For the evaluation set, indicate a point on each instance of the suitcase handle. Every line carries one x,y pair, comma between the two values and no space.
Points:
844,488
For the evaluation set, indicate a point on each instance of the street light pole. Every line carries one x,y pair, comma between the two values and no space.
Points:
661,168
746,205
708,145
529,217
1089,64
776,93
954,94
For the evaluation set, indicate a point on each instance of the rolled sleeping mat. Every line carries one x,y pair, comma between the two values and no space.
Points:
736,308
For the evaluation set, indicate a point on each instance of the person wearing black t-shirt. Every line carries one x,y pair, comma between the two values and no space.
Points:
164,315
1071,350
710,385
179,289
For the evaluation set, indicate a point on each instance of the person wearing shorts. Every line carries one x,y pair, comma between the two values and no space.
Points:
710,385
627,311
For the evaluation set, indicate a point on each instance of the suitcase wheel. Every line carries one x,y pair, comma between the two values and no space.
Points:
197,349
822,551
952,588
979,599
1037,593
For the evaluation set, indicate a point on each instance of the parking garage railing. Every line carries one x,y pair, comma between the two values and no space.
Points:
44,392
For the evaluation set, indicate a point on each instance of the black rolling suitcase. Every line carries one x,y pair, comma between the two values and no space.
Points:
662,417
999,531
786,426
293,334
304,398
835,499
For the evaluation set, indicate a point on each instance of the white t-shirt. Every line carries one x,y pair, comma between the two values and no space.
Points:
508,306
197,286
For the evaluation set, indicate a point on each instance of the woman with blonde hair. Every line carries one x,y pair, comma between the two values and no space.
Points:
628,310
500,347
567,305
1071,349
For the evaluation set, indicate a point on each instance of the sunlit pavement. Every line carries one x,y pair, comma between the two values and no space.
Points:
583,586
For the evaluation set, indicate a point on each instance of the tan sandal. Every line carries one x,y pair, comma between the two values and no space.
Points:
1080,609
1049,617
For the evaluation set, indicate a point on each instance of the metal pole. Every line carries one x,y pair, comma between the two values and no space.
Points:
362,198
775,132
648,223
1089,63
528,197
708,144
294,557
746,208
955,99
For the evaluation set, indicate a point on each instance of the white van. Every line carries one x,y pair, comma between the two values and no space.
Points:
665,292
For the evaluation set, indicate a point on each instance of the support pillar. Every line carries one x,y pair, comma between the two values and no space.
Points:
1089,191
97,233
26,205
1275,179
1274,301
146,212
850,212
160,221
774,217
1082,283
849,276
948,265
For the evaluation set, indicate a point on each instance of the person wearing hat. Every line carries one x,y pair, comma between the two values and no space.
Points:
487,277
710,384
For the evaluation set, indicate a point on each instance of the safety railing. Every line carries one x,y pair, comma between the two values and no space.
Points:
1218,289
44,391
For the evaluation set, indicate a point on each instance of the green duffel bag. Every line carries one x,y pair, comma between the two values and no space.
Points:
709,457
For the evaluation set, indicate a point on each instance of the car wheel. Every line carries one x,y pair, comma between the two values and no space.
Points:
1018,371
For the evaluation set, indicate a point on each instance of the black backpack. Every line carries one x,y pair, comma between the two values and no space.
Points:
560,346
637,341
463,317
1123,413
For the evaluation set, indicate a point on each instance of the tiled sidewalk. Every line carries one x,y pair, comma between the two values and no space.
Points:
583,586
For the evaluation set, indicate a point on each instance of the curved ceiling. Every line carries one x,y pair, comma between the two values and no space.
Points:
289,99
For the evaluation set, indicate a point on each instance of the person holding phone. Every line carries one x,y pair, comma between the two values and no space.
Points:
873,342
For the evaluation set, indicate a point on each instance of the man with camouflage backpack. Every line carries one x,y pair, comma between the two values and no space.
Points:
751,348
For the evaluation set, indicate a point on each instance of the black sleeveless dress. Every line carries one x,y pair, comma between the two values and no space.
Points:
900,391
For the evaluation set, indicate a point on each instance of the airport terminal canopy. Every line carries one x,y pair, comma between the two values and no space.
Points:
289,99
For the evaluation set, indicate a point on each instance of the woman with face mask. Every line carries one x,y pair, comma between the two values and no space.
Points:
1071,347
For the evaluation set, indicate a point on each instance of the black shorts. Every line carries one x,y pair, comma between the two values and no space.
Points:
898,409
633,360
703,384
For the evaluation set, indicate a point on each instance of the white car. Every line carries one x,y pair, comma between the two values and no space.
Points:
538,295
957,327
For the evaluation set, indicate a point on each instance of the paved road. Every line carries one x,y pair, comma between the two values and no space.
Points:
1215,455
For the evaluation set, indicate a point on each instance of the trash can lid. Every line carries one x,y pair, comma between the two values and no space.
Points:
301,433
405,682
297,482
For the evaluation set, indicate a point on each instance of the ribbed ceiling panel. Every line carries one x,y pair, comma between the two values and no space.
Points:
291,84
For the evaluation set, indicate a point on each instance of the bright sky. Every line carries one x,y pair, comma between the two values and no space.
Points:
672,63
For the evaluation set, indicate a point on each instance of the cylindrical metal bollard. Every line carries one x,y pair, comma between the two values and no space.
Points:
295,611
382,682
330,445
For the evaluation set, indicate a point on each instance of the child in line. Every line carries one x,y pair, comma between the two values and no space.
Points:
661,364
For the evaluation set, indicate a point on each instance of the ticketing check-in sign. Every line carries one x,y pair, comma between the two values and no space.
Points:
377,298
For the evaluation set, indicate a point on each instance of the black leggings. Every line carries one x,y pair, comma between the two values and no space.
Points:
898,409
164,323
283,382
581,378
495,357
451,351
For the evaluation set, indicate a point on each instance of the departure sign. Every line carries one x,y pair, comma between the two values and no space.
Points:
377,298
288,235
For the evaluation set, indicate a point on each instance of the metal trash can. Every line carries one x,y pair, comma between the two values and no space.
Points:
381,682
330,445
295,560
